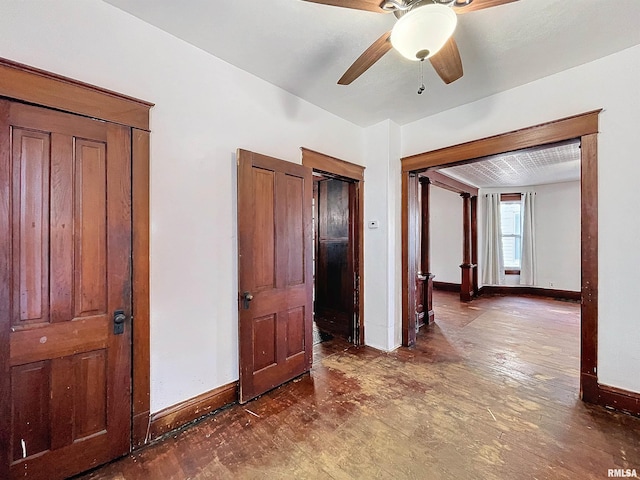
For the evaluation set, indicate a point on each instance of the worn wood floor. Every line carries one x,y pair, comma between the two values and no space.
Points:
489,392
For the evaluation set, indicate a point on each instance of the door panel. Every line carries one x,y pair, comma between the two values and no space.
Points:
274,246
263,236
295,331
31,408
68,186
90,215
30,225
295,231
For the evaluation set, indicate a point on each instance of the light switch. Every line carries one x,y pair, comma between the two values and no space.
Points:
373,223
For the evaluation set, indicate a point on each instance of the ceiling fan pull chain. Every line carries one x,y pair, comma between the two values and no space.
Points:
422,87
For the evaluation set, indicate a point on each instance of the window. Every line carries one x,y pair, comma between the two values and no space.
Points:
511,229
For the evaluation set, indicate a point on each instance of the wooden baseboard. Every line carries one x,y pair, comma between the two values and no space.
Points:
179,415
447,286
525,290
619,399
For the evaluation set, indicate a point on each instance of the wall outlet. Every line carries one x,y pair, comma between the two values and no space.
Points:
551,284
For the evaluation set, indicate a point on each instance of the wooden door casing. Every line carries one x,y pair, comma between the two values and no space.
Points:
275,268
65,200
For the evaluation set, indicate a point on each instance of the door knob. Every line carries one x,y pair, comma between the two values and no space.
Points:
118,322
246,298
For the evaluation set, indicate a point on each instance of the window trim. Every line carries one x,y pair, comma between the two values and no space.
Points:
510,197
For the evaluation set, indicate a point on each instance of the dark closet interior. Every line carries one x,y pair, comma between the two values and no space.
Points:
334,253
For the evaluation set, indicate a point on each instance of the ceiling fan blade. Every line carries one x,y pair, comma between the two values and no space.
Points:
367,5
447,62
460,7
370,56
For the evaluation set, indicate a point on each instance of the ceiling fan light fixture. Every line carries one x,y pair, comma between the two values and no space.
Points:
423,31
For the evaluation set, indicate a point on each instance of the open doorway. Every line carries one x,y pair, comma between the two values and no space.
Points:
528,230
338,249
583,127
334,302
541,259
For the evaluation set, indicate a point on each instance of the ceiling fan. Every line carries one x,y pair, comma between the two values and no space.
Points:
424,30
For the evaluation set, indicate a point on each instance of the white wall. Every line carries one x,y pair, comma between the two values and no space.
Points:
558,235
557,231
609,83
205,109
383,284
446,228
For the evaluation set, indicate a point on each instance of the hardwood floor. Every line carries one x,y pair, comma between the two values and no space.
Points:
489,392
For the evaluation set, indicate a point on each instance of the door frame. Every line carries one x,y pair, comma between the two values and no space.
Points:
583,127
321,163
22,83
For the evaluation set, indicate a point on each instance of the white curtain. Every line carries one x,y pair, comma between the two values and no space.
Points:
493,260
528,265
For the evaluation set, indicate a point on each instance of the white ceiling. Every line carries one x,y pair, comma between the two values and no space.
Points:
305,47
533,166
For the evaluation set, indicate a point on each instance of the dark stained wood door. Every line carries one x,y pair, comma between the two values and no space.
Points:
335,275
65,252
275,271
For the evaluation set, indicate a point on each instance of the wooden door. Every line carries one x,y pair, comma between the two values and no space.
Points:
65,253
335,276
275,272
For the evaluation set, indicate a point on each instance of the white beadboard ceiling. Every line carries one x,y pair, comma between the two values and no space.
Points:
535,166
305,48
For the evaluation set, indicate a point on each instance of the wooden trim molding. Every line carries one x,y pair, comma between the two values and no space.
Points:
28,84
140,284
515,290
510,197
22,82
322,163
178,415
589,259
552,132
441,180
527,290
5,292
447,286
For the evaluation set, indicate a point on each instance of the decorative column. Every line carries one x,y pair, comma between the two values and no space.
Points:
425,257
474,242
410,268
467,267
